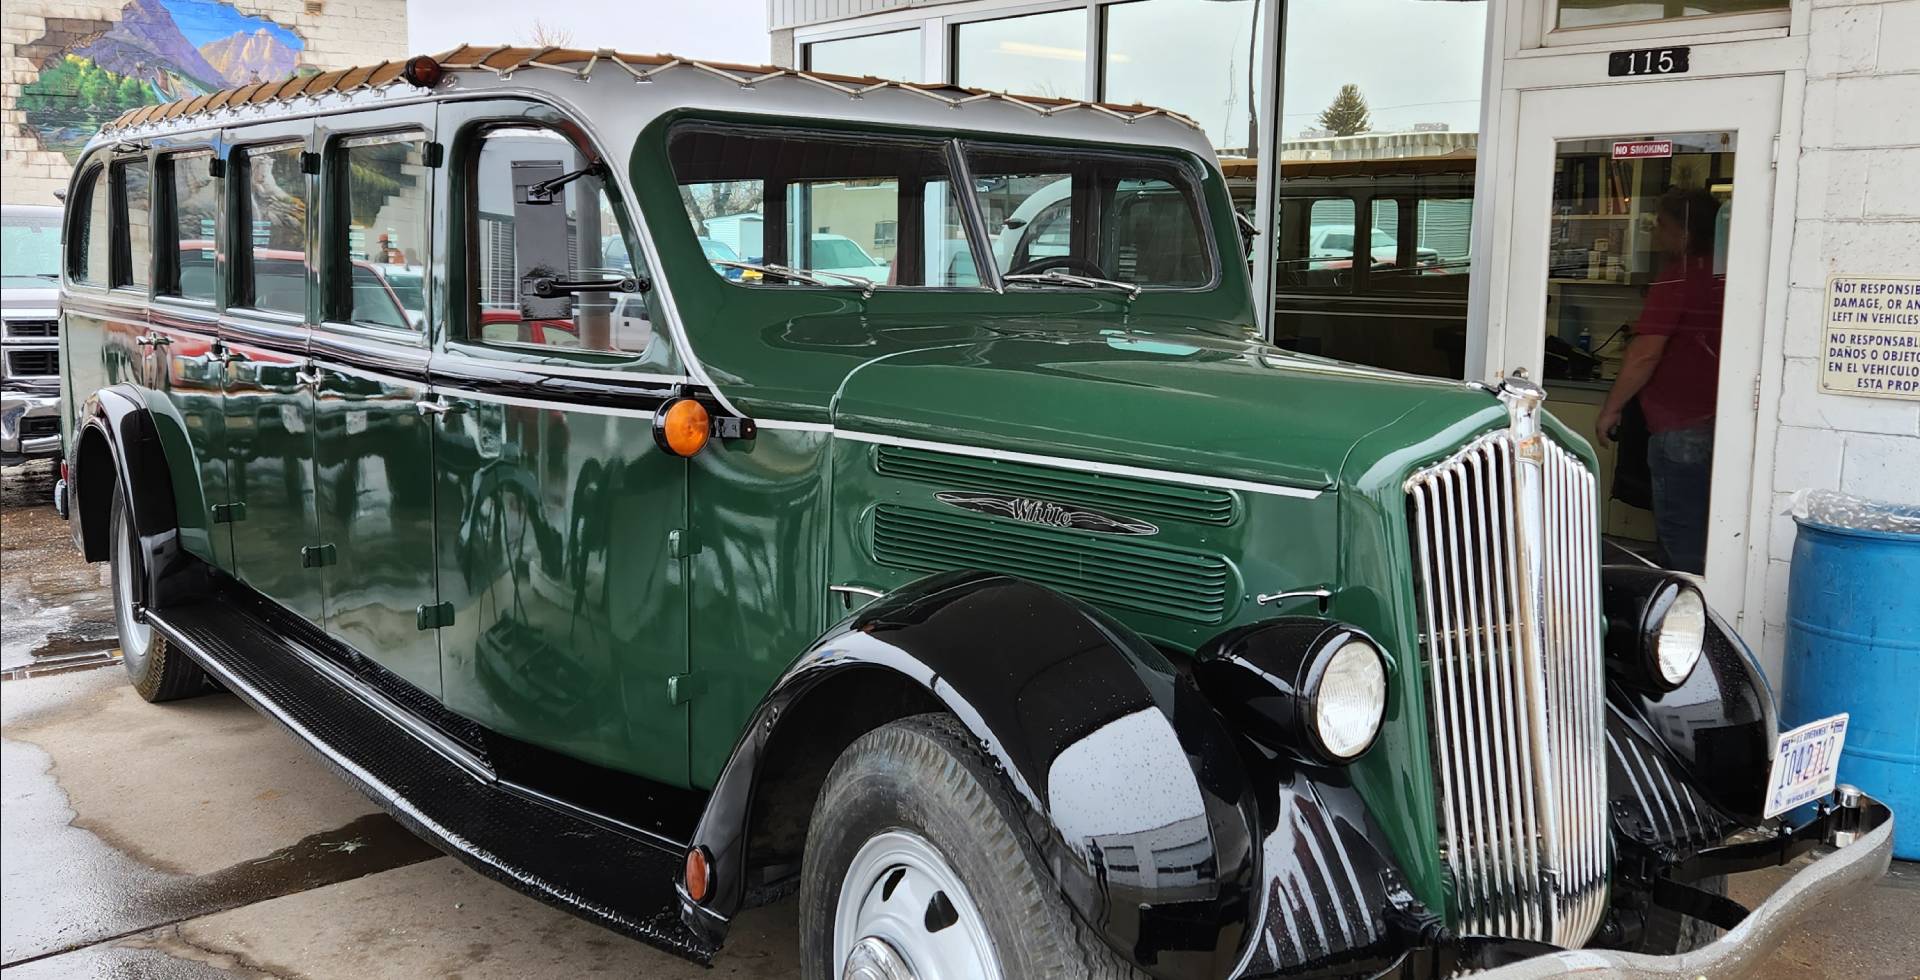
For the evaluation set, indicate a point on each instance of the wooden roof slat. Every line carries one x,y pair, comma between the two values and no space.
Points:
505,59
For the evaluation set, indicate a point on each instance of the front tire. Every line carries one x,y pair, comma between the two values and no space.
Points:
915,866
158,671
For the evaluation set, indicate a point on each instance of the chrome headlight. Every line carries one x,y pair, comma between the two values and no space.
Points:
1309,688
1657,625
1676,632
1349,699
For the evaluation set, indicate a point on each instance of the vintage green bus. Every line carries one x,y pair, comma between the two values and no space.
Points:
995,588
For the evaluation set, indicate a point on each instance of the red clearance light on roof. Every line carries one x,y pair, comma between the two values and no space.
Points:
422,71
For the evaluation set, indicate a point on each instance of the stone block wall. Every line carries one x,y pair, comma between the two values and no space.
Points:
1857,213
36,33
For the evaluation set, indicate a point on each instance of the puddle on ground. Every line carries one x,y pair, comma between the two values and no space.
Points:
56,610
65,888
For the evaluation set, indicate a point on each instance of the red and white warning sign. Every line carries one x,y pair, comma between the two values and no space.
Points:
1642,149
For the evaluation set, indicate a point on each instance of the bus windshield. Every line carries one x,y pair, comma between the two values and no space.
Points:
786,208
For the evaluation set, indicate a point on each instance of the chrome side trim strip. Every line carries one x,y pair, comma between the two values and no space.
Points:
1083,465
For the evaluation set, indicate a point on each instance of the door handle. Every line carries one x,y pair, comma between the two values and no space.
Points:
309,379
154,340
436,406
225,354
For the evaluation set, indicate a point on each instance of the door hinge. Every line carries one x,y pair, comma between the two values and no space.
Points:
682,544
682,688
229,513
434,616
318,556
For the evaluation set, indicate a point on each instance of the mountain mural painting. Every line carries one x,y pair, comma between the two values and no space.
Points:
158,51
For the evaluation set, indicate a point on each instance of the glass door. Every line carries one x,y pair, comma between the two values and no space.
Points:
1641,223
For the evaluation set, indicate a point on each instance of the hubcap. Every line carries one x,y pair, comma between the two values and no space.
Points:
904,915
134,633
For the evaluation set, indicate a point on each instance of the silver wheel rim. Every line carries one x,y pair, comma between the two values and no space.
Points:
904,915
134,634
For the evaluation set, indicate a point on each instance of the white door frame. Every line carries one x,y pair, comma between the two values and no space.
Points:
1749,106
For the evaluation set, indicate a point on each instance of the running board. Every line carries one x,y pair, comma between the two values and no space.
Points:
608,873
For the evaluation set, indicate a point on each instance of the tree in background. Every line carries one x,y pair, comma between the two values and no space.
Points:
73,97
545,35
1347,115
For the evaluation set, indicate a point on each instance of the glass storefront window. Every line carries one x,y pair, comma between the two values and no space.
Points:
1037,54
1595,13
1636,284
894,55
1197,57
1374,207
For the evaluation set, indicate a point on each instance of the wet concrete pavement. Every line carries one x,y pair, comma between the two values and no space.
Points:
198,840
55,610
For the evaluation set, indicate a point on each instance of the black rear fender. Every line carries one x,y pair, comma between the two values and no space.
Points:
1135,794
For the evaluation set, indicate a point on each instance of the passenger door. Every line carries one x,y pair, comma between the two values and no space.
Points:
263,353
186,354
373,442
558,517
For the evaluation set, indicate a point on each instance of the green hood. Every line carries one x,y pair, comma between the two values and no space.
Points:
1173,399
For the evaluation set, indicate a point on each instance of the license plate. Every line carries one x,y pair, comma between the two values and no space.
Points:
1805,764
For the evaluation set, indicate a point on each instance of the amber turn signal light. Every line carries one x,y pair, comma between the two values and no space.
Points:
699,874
682,427
422,71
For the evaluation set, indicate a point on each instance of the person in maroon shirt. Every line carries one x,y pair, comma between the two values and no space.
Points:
1673,365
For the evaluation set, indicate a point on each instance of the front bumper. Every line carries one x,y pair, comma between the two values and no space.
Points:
32,412
1861,833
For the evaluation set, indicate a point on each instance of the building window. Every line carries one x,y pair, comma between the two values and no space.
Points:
384,181
195,204
1597,13
894,55
1196,57
1036,54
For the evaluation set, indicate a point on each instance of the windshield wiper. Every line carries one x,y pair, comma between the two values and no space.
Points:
809,276
1057,277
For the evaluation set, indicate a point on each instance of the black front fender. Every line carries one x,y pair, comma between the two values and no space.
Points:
1717,729
117,443
1138,801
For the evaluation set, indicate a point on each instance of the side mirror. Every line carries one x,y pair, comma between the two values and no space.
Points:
540,239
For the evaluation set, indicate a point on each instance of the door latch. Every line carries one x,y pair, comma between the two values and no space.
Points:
434,616
309,379
155,339
682,688
318,556
681,543
436,405
229,513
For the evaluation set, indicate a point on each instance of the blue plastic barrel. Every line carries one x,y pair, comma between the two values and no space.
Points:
1853,645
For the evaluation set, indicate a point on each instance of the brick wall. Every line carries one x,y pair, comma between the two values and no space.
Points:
336,33
1857,213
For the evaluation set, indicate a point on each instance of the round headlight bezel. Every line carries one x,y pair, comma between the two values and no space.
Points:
1352,645
1673,630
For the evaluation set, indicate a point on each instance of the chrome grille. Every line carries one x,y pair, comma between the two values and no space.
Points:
1507,550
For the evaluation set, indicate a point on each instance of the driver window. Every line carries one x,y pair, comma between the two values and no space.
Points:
542,215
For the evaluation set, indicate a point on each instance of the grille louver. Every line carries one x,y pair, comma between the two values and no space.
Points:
1103,570
31,328
1135,498
37,362
1507,578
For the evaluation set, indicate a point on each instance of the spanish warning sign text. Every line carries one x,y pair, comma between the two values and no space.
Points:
1873,338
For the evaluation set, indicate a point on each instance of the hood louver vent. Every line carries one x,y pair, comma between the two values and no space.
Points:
1138,498
1116,572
